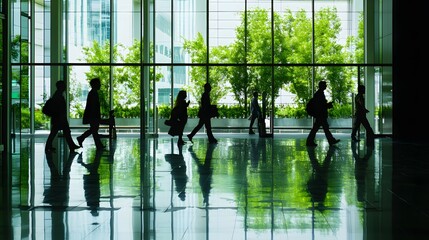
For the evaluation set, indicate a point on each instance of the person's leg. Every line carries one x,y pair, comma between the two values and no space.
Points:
181,129
210,136
312,135
94,131
356,127
328,133
368,129
68,137
83,136
51,137
252,121
196,129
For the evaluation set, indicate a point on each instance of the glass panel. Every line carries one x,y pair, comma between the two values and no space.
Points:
226,19
292,32
79,88
89,29
42,91
290,102
195,42
337,31
42,33
128,31
342,82
259,32
163,34
127,95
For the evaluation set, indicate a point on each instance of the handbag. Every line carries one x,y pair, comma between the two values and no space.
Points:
214,112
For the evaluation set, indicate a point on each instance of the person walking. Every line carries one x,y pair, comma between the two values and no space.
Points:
322,106
360,116
204,115
255,112
179,116
59,120
92,115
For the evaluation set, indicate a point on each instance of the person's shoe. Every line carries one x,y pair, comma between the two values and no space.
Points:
190,137
311,144
251,132
213,141
335,141
354,139
181,142
79,141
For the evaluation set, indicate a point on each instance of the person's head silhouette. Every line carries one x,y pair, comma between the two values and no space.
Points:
322,85
95,83
61,86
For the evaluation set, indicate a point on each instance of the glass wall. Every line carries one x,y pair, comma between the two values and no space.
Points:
146,51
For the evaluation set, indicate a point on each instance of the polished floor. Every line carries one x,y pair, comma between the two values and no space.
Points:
244,187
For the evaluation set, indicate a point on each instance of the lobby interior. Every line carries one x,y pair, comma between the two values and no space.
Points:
244,187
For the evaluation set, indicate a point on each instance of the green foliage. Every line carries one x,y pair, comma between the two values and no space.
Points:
293,37
126,84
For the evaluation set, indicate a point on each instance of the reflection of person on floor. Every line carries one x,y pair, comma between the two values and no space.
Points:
361,164
57,193
205,171
317,185
178,172
91,183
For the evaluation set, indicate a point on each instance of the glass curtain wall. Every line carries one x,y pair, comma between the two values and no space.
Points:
146,51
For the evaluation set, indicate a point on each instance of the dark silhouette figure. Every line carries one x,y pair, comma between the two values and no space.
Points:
92,115
59,120
57,194
361,165
205,171
317,185
91,183
360,117
321,106
255,112
178,172
179,117
204,115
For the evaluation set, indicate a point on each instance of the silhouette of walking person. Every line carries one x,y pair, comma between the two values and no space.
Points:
360,117
204,115
255,112
91,183
317,185
205,171
92,115
321,106
179,117
59,120
178,172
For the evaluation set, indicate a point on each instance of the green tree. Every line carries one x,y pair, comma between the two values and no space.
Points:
100,53
197,50
126,83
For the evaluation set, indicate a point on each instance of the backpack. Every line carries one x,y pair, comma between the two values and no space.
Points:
310,108
49,109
